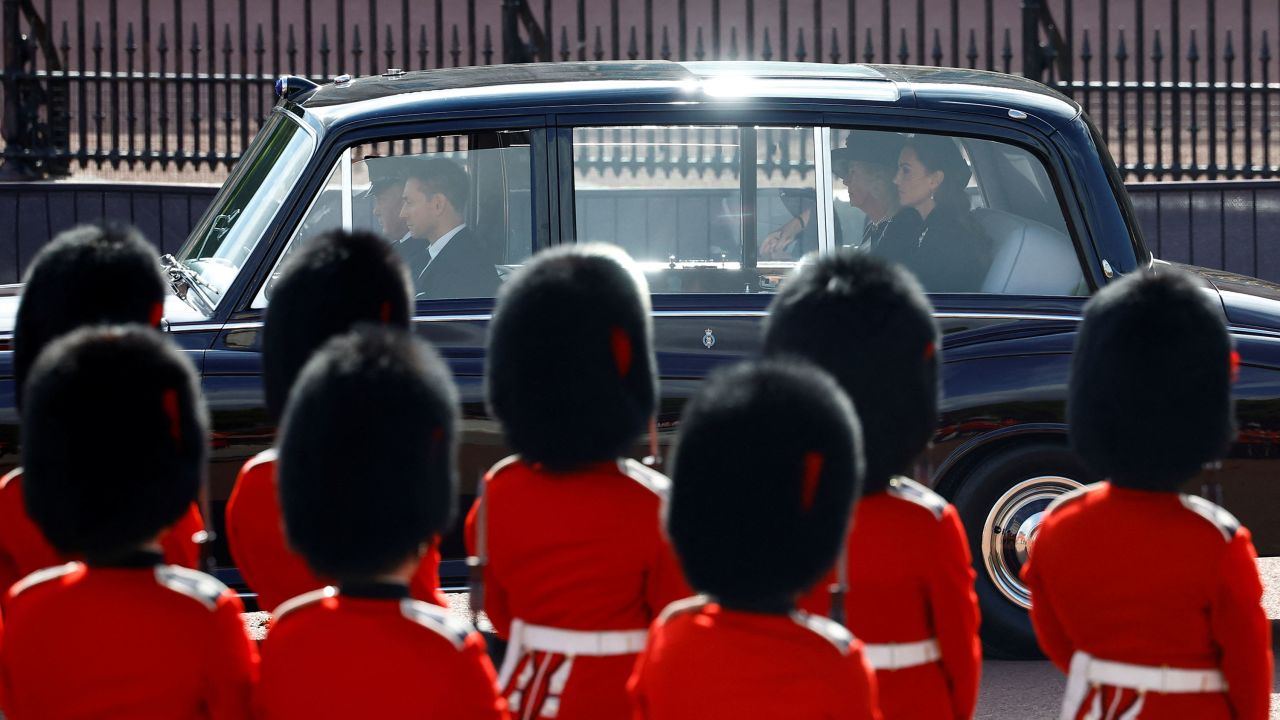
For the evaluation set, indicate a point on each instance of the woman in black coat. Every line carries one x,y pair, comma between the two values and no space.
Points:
933,234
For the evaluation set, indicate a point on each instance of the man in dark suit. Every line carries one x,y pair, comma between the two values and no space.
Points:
450,260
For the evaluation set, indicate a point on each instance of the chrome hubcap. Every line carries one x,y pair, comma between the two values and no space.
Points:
1011,529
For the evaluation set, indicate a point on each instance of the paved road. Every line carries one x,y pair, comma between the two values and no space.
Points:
1025,690
1020,690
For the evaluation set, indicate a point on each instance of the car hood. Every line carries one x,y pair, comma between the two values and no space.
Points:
1247,302
175,310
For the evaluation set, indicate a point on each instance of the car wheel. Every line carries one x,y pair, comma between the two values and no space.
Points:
1002,502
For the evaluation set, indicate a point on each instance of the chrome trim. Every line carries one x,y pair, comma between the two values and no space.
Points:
1256,332
825,206
1005,316
297,121
938,315
344,163
482,317
709,313
256,324
453,318
198,327
1005,549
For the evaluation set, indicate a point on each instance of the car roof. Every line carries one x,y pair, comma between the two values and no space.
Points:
546,85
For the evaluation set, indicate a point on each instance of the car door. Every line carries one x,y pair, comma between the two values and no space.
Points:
706,210
1001,452
504,214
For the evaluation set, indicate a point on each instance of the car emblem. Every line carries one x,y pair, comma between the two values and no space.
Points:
708,340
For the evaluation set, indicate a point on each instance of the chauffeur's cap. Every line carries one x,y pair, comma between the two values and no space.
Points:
870,325
367,453
570,366
385,172
767,467
869,146
114,436
1150,395
335,281
86,275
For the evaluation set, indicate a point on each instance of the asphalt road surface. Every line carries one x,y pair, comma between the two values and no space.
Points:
1010,690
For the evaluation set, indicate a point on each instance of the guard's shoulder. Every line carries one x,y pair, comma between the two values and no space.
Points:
826,628
13,476
1223,521
911,491
682,607
303,600
266,457
1073,496
501,466
204,589
647,477
437,620
45,575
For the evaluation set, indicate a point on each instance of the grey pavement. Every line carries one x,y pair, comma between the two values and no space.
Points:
1023,690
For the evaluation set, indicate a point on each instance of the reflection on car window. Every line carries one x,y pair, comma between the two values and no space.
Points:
457,208
236,221
672,197
964,215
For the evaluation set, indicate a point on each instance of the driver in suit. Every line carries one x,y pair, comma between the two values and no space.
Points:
386,190
448,259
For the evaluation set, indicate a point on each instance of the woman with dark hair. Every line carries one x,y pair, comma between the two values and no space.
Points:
933,235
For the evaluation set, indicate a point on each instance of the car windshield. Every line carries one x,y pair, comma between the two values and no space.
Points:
236,221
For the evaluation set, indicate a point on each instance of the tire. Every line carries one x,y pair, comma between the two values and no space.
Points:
1000,502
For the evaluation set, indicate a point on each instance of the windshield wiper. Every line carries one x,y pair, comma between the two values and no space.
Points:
184,281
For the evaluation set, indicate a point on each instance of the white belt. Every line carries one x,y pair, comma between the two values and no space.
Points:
589,643
1087,671
579,642
898,656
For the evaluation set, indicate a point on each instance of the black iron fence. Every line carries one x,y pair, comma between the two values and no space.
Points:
1181,89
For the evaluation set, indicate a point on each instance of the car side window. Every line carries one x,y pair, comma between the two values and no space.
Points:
965,215
457,208
683,199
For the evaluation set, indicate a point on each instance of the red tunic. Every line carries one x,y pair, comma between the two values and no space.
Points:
255,534
372,652
1154,578
23,549
142,641
580,550
705,661
910,579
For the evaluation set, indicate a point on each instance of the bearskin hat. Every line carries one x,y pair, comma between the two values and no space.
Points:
570,362
337,280
87,275
753,522
1150,396
870,325
93,394
367,452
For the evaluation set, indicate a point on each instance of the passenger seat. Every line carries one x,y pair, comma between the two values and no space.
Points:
1027,257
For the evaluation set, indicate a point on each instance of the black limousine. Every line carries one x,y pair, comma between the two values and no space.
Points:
698,170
